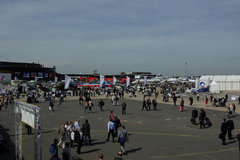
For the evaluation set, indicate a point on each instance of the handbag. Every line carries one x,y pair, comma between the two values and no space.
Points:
122,139
220,135
50,108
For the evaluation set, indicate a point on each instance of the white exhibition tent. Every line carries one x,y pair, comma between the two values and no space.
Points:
225,82
214,87
233,82
221,80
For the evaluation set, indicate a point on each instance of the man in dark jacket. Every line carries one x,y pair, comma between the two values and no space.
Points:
201,119
86,132
223,131
149,103
117,124
194,115
144,105
78,139
230,127
191,100
101,104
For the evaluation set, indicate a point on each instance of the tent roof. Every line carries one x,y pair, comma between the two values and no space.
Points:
222,77
233,78
205,77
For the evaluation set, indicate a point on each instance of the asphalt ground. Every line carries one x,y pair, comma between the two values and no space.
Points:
163,134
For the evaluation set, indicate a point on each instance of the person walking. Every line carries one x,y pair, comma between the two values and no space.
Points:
111,128
149,104
67,152
144,105
230,127
123,137
194,115
90,105
76,124
206,100
81,100
86,107
201,119
154,103
101,104
174,99
191,100
223,131
51,105
72,133
53,150
117,124
61,132
124,106
119,157
79,138
181,105
86,133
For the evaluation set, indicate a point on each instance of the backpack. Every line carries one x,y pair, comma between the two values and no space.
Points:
103,103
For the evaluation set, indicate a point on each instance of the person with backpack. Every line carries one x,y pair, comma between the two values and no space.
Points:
86,107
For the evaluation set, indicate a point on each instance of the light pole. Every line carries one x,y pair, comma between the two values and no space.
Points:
186,68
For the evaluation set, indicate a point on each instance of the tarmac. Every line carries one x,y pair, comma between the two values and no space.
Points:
163,134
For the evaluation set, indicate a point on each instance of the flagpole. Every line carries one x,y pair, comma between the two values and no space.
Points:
186,68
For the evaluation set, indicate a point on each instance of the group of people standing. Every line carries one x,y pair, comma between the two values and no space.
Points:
68,134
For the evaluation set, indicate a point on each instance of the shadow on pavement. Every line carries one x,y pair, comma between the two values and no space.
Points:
9,144
133,150
90,151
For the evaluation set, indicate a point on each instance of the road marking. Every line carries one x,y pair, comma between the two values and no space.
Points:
158,134
168,119
81,116
178,118
99,118
184,117
139,122
192,154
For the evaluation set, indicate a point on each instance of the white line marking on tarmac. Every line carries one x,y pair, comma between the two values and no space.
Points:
178,118
184,117
81,116
139,122
168,119
99,118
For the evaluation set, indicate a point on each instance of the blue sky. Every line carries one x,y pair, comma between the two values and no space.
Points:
114,36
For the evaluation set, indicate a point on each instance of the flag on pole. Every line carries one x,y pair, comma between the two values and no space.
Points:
208,82
101,81
56,79
67,81
128,81
145,80
197,83
114,80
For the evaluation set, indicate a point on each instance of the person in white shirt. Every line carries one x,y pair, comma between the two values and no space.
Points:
111,128
76,124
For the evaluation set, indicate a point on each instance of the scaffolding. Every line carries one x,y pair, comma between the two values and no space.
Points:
29,112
